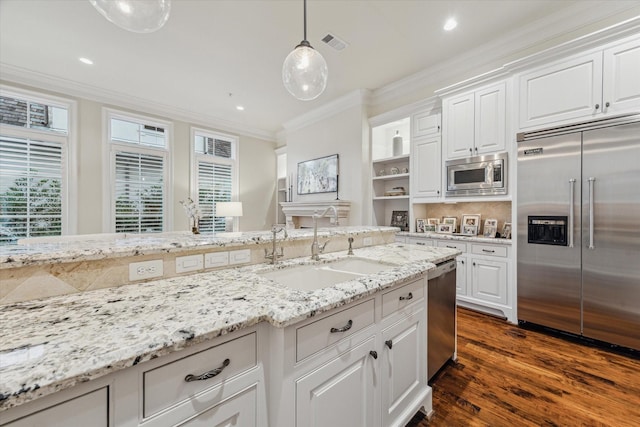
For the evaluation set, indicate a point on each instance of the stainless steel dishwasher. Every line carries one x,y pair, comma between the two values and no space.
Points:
441,316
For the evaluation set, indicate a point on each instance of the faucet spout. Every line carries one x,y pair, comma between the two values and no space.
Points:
316,248
274,255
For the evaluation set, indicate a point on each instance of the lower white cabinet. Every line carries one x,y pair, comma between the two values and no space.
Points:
237,411
489,280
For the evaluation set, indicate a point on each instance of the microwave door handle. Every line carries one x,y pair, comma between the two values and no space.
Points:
572,183
591,181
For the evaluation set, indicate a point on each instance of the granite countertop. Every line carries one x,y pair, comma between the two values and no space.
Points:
81,248
52,344
478,239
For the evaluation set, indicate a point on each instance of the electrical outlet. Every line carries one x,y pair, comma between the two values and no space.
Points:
216,259
242,256
189,263
367,241
145,270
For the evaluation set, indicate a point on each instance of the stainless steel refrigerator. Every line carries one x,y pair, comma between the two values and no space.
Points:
579,229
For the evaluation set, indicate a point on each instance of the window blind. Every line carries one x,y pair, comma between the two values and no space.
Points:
214,185
30,189
139,193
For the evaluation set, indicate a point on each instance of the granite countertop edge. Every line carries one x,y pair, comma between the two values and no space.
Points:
473,239
85,336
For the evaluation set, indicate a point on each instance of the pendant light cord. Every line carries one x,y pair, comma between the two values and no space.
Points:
305,19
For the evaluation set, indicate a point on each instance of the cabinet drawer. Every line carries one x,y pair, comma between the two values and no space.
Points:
166,385
421,241
315,336
500,251
453,245
400,297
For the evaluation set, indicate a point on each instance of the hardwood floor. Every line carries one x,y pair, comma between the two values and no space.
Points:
509,376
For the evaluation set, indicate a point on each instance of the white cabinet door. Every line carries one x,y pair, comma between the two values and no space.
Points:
461,275
458,130
237,411
420,241
621,84
561,91
403,370
425,123
490,129
427,167
341,392
489,280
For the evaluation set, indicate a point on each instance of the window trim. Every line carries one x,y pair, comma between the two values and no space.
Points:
69,144
110,148
234,162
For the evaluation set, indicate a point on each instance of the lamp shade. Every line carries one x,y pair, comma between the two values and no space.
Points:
139,16
229,209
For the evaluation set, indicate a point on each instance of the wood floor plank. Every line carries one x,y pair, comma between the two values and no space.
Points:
509,376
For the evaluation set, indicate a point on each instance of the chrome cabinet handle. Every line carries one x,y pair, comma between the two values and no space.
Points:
209,374
345,328
488,251
374,354
572,183
408,297
591,185
389,344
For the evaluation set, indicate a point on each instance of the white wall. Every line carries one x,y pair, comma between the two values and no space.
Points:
345,133
256,169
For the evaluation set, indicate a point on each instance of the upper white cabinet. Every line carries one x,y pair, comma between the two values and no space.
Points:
474,122
427,166
593,84
425,123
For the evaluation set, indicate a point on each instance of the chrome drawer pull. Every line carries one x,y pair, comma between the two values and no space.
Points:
345,328
410,296
488,250
451,247
209,374
389,344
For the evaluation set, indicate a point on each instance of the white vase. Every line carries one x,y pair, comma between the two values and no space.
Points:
397,144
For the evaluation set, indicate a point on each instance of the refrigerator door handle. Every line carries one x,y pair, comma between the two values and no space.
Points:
572,184
591,181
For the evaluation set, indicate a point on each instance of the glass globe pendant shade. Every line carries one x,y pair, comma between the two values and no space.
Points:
305,72
139,16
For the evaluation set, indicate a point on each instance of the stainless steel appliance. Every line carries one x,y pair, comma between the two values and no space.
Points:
479,175
579,229
441,316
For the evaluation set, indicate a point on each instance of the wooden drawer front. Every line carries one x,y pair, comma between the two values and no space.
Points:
500,251
315,336
400,297
420,241
165,385
91,409
453,245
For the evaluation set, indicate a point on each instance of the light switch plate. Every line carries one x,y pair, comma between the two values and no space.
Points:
240,257
367,241
189,263
216,259
145,270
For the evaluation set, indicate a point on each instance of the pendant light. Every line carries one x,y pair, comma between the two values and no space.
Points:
139,16
304,72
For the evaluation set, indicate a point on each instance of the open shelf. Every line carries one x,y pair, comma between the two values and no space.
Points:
389,177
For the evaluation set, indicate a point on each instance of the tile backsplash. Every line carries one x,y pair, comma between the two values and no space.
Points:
488,210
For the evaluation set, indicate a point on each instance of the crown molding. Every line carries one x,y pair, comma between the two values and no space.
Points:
432,104
359,97
18,75
538,32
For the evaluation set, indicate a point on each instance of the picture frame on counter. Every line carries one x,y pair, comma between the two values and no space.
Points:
452,221
471,220
420,223
444,228
490,228
400,219
506,230
469,230
433,221
430,228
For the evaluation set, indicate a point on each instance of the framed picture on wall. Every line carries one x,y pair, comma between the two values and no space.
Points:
318,175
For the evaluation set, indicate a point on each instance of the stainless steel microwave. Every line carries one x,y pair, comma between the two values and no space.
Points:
477,176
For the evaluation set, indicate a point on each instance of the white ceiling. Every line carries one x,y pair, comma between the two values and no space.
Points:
210,49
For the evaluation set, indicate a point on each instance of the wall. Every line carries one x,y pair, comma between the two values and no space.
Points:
342,133
256,169
487,210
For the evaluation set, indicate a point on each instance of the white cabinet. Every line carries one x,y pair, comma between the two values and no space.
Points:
474,123
425,123
426,173
341,392
237,411
489,280
589,85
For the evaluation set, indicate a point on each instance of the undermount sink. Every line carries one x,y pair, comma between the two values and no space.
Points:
318,276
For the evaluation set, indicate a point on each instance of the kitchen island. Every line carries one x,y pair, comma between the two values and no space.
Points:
66,342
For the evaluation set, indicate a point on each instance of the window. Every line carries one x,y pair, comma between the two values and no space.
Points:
34,145
215,177
139,164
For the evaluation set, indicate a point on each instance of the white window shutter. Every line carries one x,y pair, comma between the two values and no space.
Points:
215,183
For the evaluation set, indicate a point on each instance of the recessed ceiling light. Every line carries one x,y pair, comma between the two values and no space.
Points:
85,61
239,108
450,24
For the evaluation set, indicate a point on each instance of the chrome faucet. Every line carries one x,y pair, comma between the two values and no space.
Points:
316,248
274,255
